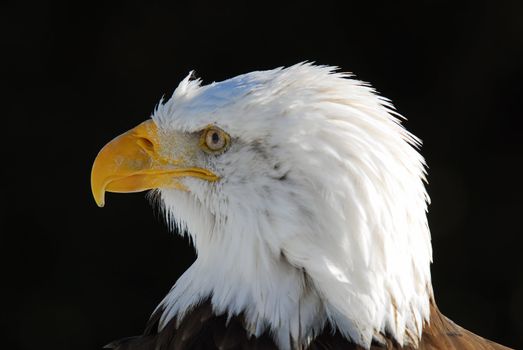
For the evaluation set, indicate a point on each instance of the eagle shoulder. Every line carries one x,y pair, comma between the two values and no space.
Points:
202,329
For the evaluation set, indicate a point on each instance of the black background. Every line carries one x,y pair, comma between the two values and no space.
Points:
76,276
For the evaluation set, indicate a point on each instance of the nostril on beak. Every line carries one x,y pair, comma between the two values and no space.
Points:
146,144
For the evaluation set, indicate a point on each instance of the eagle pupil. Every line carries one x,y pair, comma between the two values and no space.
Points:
215,137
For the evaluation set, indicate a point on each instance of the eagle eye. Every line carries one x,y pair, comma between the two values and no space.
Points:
214,140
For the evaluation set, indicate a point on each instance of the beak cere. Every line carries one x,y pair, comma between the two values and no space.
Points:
132,163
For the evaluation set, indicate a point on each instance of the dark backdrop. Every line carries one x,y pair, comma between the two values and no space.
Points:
76,276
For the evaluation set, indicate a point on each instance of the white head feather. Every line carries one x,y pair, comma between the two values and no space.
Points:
320,213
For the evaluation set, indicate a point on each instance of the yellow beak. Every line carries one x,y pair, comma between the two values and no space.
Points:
132,163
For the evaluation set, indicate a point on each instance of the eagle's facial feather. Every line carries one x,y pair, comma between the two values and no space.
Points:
319,213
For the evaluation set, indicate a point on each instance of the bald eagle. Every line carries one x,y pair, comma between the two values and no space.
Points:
304,198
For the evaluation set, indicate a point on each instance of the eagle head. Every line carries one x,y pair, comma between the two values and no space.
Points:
303,196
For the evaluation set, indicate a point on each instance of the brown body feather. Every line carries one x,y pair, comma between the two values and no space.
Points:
201,329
